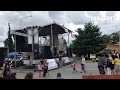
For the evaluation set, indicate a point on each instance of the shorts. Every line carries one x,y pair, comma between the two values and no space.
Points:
83,66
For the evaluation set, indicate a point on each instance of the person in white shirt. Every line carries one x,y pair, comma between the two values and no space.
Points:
83,62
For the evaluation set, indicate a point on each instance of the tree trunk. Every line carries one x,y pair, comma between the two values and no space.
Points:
89,56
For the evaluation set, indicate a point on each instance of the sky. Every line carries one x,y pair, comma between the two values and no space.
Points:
108,21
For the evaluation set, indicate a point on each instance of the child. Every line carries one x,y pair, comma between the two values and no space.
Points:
74,66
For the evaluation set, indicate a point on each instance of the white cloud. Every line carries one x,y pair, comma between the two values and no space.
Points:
71,19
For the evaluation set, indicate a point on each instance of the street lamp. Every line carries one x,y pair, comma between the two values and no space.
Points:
23,18
119,40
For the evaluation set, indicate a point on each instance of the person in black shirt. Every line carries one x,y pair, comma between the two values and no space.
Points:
45,68
6,70
112,65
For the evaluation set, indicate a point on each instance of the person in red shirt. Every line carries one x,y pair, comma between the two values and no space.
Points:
74,66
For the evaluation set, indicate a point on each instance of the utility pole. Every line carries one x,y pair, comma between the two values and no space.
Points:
9,26
32,47
15,49
8,36
68,46
52,40
14,41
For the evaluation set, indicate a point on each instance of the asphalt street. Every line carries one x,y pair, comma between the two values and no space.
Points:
66,72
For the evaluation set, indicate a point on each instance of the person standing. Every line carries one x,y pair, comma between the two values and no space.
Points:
40,69
45,68
109,63
102,64
112,58
6,70
83,64
74,66
117,65
60,60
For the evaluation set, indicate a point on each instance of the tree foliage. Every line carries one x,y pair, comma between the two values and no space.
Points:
9,43
115,37
107,38
88,41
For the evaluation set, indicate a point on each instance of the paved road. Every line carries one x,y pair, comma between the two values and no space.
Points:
66,72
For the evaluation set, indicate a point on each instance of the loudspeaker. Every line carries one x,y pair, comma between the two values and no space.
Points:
69,52
46,52
29,48
36,55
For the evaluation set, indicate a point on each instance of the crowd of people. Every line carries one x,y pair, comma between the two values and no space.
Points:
109,64
42,69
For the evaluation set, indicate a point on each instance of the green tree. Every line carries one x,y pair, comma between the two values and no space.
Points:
8,42
107,38
88,40
115,37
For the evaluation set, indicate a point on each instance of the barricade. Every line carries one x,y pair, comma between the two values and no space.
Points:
101,77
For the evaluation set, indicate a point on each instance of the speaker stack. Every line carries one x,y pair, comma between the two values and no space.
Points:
69,52
46,52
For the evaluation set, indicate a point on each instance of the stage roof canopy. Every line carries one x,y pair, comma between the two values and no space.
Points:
46,30
56,29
